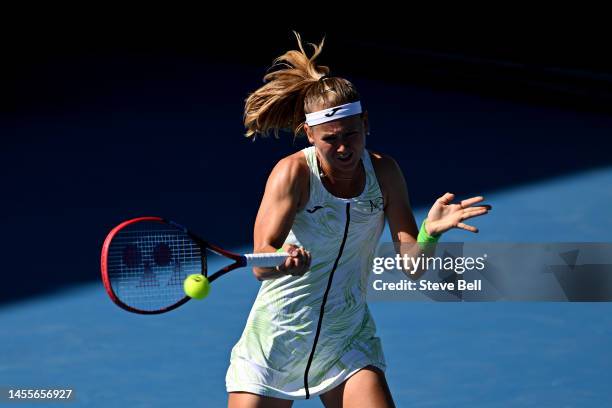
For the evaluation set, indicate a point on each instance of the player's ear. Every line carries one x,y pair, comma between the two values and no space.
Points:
308,131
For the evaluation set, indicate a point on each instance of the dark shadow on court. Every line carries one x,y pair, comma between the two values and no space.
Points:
96,138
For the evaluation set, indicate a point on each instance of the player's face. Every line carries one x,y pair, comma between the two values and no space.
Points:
340,143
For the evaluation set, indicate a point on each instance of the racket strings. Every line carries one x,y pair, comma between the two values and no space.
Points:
176,278
148,262
148,277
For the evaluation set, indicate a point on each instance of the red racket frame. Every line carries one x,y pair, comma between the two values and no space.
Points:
204,245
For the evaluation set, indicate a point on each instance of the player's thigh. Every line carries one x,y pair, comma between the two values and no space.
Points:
333,397
248,400
367,388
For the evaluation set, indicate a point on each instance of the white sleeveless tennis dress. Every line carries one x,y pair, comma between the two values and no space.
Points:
307,334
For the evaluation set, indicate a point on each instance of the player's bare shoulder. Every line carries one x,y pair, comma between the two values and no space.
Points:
293,168
384,165
292,175
387,171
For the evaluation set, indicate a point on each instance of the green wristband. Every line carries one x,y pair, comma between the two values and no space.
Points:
280,249
424,237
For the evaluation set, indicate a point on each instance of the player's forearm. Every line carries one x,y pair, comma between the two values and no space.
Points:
412,251
262,273
267,273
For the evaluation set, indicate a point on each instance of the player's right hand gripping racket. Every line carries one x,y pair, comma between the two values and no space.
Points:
146,260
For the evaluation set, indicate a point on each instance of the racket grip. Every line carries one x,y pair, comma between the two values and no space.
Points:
265,259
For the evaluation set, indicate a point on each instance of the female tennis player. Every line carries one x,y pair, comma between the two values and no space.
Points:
310,332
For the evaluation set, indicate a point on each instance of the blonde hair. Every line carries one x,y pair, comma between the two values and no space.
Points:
296,86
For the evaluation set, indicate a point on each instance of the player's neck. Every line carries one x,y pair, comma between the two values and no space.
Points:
342,184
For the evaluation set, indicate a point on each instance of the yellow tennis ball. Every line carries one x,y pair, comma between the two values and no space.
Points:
196,286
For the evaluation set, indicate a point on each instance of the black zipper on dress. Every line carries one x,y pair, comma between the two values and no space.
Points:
329,282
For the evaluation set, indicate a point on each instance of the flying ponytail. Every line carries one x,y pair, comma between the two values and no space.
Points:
295,86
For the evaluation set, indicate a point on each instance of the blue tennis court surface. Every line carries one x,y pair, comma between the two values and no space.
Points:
438,355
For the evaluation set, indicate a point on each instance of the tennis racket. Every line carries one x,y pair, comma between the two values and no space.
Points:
146,260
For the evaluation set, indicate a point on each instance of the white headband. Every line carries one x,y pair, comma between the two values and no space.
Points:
335,113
